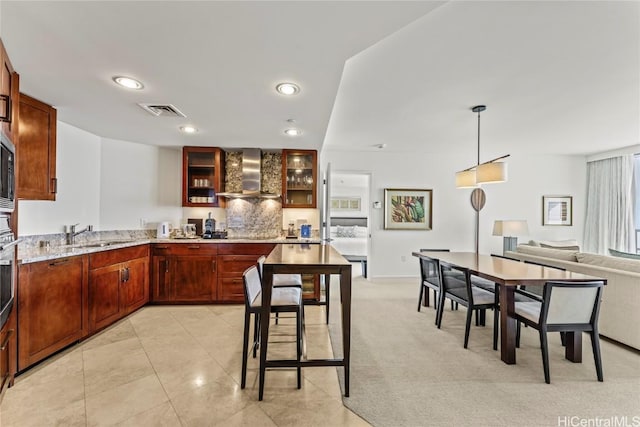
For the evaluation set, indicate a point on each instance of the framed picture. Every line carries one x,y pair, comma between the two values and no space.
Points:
557,210
345,203
407,209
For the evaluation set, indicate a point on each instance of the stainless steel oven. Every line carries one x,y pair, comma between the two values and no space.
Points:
8,245
7,174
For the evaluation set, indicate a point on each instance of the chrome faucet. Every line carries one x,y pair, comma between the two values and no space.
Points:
71,233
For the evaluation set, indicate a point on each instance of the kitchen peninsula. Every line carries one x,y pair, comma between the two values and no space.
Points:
69,292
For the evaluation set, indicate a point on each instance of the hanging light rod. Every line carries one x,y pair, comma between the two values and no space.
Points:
482,173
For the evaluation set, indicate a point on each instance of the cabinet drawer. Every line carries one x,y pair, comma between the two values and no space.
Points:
231,289
235,265
195,248
245,248
116,256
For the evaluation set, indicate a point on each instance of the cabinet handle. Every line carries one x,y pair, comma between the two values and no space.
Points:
56,263
213,266
127,272
54,185
193,247
166,266
7,116
162,247
124,275
6,340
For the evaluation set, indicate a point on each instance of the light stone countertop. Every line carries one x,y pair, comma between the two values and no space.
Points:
26,256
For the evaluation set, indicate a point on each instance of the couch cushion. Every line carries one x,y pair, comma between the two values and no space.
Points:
609,262
621,254
554,243
565,255
563,248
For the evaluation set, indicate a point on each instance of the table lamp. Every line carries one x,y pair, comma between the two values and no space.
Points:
509,229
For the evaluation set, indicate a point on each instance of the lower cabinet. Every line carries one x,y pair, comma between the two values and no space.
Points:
233,260
118,284
184,272
52,307
8,353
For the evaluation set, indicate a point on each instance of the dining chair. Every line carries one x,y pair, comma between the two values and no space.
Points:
429,279
283,299
565,307
281,280
457,286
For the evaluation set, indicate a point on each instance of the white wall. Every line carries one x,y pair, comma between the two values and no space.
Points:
140,185
78,198
530,177
107,183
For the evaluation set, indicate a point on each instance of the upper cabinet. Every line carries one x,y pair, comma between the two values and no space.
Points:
202,176
36,177
299,178
9,94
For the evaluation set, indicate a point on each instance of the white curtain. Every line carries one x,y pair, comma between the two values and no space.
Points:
609,216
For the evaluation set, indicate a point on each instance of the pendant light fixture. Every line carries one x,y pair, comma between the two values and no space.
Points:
482,173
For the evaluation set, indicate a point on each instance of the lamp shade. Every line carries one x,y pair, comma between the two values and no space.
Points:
466,179
510,228
487,173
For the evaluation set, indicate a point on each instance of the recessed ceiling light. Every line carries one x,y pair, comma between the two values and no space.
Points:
128,82
293,132
188,129
288,88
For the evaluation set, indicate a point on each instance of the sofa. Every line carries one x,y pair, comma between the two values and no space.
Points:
620,308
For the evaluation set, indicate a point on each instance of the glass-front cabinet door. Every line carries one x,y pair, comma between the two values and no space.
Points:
202,175
299,178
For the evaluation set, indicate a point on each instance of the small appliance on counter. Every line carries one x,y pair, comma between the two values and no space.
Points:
291,231
209,227
305,231
164,230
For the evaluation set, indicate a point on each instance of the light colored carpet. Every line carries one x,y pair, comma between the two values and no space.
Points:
406,372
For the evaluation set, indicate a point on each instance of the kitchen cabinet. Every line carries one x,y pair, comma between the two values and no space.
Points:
9,95
118,284
8,353
184,272
52,307
299,178
233,260
202,176
36,177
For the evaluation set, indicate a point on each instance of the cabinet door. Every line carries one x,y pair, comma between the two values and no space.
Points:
36,151
202,176
134,290
52,307
299,178
194,278
7,354
9,81
161,278
104,296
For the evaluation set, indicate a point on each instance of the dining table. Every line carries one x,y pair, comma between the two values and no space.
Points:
508,274
311,259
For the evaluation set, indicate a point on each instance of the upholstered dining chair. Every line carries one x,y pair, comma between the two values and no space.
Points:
565,307
283,299
457,286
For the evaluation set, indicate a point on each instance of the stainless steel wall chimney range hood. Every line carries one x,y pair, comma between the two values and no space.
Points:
251,175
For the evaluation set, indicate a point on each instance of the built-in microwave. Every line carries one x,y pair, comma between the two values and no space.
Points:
7,174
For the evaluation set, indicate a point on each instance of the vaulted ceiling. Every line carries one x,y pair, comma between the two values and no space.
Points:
557,77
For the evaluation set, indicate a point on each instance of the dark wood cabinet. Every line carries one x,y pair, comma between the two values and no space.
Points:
118,284
36,158
299,178
8,353
9,96
52,307
184,272
233,260
202,176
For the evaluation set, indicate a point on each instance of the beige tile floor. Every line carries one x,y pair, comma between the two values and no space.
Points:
178,366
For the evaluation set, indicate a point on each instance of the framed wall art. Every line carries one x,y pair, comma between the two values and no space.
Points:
345,203
557,210
407,209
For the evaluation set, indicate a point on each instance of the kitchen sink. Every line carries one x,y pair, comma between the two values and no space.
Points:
102,243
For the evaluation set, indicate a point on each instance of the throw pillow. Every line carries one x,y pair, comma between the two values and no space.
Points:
562,248
621,254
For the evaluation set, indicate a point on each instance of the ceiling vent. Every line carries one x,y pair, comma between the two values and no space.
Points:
162,110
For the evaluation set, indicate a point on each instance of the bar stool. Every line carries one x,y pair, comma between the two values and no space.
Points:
283,299
282,280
